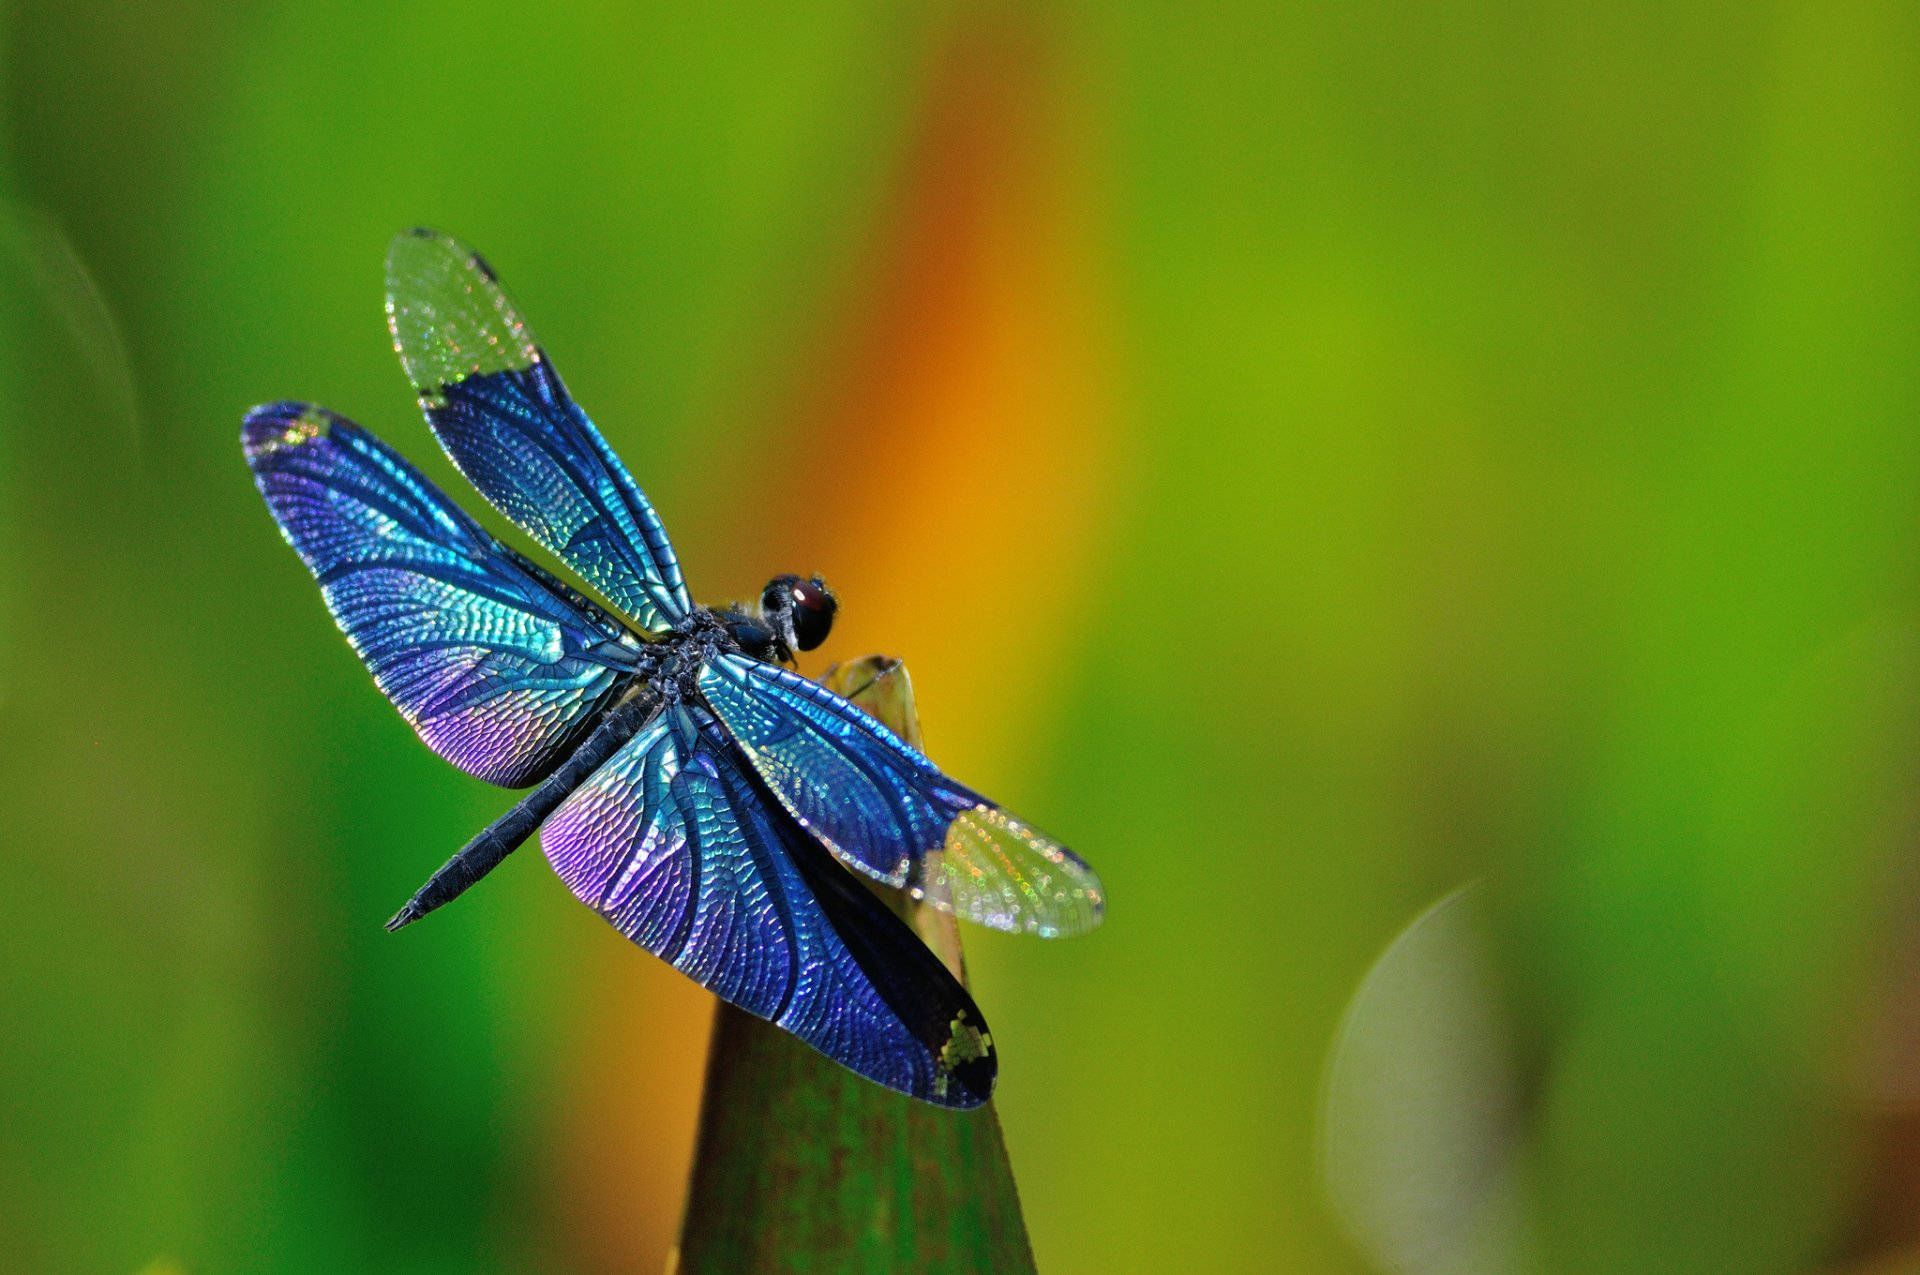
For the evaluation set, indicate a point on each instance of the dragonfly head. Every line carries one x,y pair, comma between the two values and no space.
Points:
798,612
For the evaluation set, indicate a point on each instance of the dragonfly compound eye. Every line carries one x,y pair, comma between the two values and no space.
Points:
813,608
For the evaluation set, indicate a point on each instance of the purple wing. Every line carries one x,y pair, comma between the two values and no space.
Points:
883,808
500,411
673,843
497,665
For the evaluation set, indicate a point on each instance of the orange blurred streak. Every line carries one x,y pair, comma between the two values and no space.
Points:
956,474
624,1143
960,458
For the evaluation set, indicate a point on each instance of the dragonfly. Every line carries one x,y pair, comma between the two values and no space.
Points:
686,782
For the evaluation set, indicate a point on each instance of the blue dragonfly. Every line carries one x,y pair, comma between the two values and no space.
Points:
686,783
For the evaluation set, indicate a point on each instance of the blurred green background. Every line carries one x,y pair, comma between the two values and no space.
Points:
1310,458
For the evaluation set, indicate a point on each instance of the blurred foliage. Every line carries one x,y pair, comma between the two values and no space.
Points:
1316,455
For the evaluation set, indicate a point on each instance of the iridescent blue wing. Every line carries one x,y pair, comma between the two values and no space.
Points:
674,845
498,407
883,808
497,665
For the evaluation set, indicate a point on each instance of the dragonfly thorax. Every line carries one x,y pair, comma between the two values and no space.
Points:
705,633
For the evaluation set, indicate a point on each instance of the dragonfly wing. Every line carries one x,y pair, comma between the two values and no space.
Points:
672,843
503,416
498,666
883,808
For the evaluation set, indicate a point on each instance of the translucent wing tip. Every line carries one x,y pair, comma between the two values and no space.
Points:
996,871
420,242
422,245
448,314
275,427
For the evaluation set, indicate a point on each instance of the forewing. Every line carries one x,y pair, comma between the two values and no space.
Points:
672,842
500,411
883,808
498,666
